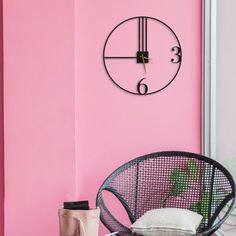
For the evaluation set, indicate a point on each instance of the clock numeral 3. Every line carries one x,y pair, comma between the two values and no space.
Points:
178,55
142,88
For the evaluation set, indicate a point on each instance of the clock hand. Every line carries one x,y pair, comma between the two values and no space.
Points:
142,34
150,59
144,64
145,21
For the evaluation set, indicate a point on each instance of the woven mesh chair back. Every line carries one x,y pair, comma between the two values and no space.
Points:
168,179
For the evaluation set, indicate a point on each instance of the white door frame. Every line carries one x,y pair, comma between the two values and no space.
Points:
209,81
209,11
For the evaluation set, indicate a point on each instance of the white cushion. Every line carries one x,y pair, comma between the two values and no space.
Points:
167,222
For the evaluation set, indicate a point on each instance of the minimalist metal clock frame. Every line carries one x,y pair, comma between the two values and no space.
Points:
142,55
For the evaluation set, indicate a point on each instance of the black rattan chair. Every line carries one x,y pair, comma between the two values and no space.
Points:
170,179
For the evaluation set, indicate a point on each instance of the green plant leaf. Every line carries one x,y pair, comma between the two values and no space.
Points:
179,182
193,169
202,206
195,207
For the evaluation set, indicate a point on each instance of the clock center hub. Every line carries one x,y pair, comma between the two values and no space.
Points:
142,57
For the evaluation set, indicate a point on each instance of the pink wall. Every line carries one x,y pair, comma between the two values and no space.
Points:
114,126
66,125
1,129
39,114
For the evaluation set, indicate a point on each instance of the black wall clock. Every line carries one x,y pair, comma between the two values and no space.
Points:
142,55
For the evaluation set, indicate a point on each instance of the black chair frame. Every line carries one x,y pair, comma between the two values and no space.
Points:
139,175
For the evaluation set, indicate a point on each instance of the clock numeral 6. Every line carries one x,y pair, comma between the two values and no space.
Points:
178,55
142,88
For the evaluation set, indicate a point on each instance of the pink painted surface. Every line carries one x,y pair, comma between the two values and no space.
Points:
39,114
1,129
113,126
46,138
